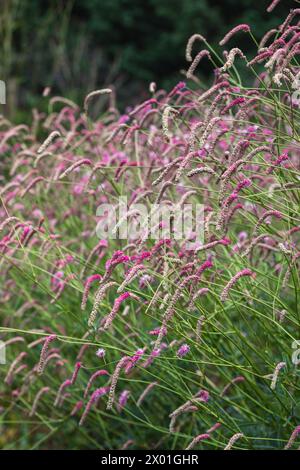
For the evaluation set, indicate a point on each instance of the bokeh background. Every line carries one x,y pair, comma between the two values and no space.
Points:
75,46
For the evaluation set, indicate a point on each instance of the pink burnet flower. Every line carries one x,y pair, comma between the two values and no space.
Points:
37,399
203,395
117,303
238,379
123,119
100,353
96,395
177,88
79,188
56,280
89,281
233,439
159,244
183,350
114,261
196,61
278,161
75,166
292,438
235,102
98,373
15,339
44,352
289,18
233,196
11,371
77,368
61,287
131,274
206,265
278,368
135,358
199,438
123,398
233,280
156,332
145,280
31,185
77,407
241,27
115,256
142,106
154,354
120,365
214,427
63,386
223,241
242,237
61,263
199,326
272,5
145,392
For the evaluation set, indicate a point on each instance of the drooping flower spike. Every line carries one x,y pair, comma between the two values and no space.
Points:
92,401
241,27
44,352
78,366
197,439
98,373
292,438
233,439
37,399
111,397
88,283
232,282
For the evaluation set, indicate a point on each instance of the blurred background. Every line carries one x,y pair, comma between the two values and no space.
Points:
75,46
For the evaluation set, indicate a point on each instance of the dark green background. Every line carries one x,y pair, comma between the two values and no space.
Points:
79,45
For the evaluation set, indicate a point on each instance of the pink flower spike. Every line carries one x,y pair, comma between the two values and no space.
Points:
214,427
123,398
156,332
225,241
93,400
183,350
203,395
122,363
78,365
115,309
273,5
233,280
197,439
277,162
64,385
135,358
76,408
100,353
43,355
206,265
292,437
87,285
98,373
232,32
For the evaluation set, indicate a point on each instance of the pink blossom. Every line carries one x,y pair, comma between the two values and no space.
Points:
183,350
232,32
